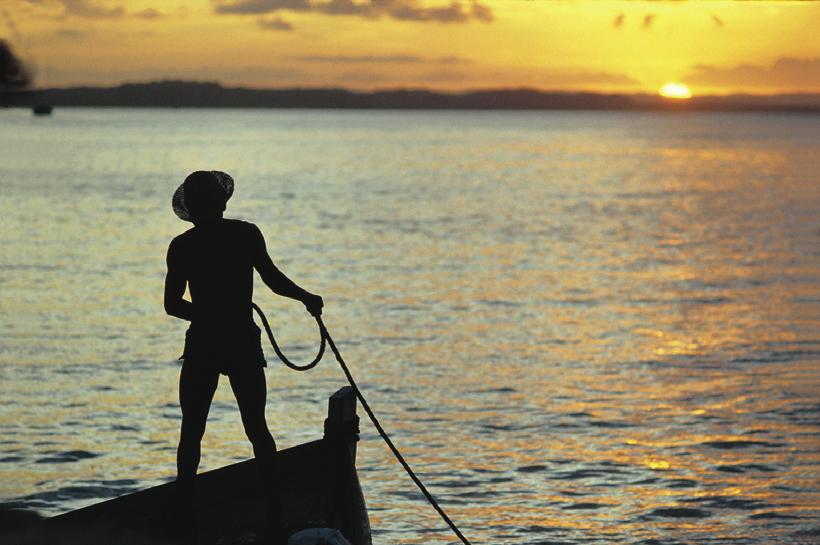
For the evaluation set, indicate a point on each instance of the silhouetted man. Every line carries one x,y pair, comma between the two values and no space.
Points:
216,259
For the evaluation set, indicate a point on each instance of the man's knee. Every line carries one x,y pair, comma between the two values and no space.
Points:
191,432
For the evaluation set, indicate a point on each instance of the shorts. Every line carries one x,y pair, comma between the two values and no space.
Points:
224,350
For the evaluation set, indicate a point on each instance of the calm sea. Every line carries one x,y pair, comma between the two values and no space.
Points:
578,327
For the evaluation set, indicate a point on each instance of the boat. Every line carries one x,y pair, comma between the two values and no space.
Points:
42,109
319,488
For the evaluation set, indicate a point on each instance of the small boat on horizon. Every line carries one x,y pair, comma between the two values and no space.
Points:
42,109
318,488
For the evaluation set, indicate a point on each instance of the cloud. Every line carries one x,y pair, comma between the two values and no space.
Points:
357,77
378,59
448,77
619,20
785,73
444,76
274,23
367,79
647,21
91,9
343,7
70,33
357,59
456,11
481,12
592,78
149,13
452,59
257,7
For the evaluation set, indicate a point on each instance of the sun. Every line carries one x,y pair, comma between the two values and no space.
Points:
675,90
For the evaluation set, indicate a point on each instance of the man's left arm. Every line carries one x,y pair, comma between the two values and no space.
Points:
278,282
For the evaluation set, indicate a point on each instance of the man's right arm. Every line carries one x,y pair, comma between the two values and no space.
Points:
175,282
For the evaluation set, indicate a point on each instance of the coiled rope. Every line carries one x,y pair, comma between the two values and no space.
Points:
286,361
326,338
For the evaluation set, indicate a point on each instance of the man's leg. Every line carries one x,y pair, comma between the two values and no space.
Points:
250,390
196,390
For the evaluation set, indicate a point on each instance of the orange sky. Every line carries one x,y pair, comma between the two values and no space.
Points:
713,46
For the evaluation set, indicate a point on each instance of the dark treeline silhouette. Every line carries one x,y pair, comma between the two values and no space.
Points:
171,94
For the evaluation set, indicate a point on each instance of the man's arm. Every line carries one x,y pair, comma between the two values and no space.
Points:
278,282
175,281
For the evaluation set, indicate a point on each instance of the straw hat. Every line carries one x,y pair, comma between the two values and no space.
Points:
196,179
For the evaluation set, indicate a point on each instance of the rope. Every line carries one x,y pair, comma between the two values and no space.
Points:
279,353
326,337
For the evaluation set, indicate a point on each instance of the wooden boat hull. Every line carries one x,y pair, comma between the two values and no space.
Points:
319,488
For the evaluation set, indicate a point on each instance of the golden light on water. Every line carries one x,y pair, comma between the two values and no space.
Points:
652,374
675,90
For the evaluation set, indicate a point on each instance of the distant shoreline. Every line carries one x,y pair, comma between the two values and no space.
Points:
760,110
189,94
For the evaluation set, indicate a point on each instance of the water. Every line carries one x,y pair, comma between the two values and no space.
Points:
578,327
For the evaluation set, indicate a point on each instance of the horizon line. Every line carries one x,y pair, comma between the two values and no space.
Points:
393,89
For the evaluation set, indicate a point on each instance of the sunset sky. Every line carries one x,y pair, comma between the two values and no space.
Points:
715,47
